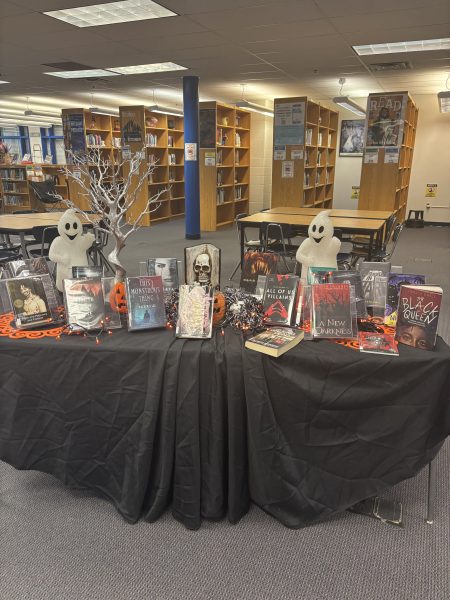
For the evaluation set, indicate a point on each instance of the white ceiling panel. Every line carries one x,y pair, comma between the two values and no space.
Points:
150,28
8,9
342,8
190,40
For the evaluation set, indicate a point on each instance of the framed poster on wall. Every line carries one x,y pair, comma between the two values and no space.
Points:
351,142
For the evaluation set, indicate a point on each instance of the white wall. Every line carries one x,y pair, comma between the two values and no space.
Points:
260,161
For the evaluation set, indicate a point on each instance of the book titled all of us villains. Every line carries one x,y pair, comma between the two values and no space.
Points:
395,281
377,343
145,298
418,314
279,299
195,312
275,341
332,316
84,302
29,302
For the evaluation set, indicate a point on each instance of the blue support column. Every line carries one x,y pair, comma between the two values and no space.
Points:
191,158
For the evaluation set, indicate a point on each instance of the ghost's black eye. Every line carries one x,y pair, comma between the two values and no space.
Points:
321,229
75,225
67,226
314,228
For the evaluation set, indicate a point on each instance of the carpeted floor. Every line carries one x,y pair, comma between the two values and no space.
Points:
57,544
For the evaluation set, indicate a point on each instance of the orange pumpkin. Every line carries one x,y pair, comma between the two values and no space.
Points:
117,297
219,308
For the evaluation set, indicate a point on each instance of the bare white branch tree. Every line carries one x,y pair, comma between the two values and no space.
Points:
111,192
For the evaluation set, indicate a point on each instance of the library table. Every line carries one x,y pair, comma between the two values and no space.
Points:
357,226
335,212
149,421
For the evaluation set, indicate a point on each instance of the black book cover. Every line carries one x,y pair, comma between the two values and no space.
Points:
353,278
418,314
279,299
395,281
167,268
256,263
145,298
84,302
332,316
29,302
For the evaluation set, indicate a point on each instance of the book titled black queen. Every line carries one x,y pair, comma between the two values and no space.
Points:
145,298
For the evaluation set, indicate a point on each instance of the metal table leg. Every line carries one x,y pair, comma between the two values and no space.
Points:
431,495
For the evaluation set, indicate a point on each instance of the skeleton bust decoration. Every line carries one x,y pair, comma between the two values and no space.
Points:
202,265
320,249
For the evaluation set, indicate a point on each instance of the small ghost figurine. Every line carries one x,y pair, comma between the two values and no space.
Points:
320,249
69,249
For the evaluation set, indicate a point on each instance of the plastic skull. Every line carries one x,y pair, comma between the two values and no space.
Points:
202,268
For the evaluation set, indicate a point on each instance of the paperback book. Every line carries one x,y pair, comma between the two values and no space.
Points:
257,263
112,314
87,271
85,304
29,302
395,281
145,298
354,279
167,268
279,299
377,343
418,315
275,341
195,312
332,315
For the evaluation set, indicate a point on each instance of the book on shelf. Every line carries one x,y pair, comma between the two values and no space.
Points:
170,141
332,315
418,315
306,179
81,272
319,158
219,160
275,341
10,200
151,139
84,303
320,138
353,278
220,196
145,299
395,281
238,193
195,312
308,136
172,174
257,263
237,139
330,140
13,173
279,299
307,157
94,139
112,314
377,343
219,177
29,302
167,268
172,158
219,137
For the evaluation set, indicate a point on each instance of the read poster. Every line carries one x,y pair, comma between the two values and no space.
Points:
385,120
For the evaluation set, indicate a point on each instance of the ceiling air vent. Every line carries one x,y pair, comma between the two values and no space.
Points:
390,66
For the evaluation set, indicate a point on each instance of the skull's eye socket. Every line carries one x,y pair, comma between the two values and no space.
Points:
321,229
67,226
205,268
314,228
75,225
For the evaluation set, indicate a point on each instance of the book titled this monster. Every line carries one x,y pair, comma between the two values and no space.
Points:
145,298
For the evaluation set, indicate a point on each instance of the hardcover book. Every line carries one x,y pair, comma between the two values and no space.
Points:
29,302
87,271
395,281
374,277
84,302
167,268
195,312
27,267
279,299
319,274
418,314
112,314
353,278
257,263
332,316
377,343
145,298
275,341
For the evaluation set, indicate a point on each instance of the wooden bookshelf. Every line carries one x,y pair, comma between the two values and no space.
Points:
224,164
304,153
163,138
385,185
16,190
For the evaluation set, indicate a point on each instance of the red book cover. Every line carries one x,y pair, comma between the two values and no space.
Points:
332,316
279,299
257,263
418,315
377,343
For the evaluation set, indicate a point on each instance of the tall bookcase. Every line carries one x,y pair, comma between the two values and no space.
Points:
224,164
163,138
16,190
386,169
304,153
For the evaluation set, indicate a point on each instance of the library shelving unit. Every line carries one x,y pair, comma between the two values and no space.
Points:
163,138
57,173
304,153
385,183
224,164
16,192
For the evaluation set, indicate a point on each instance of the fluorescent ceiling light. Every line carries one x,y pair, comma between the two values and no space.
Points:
111,12
103,111
1,81
82,74
444,101
255,108
27,119
395,47
41,113
165,110
345,102
151,68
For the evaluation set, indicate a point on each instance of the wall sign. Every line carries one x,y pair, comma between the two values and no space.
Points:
190,151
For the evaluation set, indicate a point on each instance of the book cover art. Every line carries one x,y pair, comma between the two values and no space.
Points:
145,298
332,316
319,274
352,278
374,277
275,341
195,312
377,343
84,271
279,299
167,268
257,263
418,315
84,302
395,281
29,302
27,267
112,314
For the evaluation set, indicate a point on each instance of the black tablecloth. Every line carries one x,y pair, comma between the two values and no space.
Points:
150,421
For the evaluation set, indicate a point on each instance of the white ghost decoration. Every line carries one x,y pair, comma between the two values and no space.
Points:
69,249
320,249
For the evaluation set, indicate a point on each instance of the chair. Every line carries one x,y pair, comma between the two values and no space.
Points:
384,255
45,191
248,244
43,237
362,242
277,238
